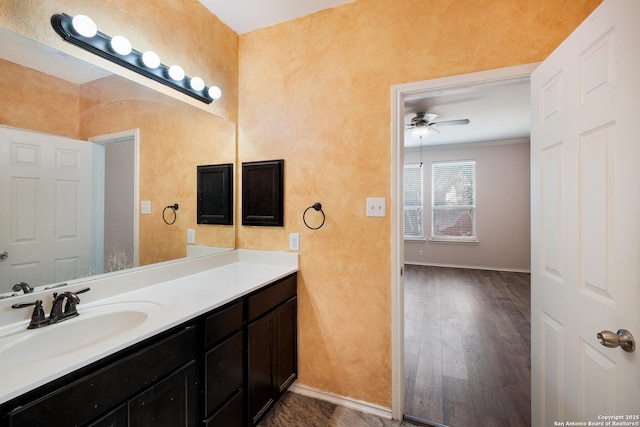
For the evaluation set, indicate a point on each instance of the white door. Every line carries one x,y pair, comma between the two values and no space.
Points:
585,154
45,216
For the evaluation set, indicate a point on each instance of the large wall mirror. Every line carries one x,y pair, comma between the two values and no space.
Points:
136,147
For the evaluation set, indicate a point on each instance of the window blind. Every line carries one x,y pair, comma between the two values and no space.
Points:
413,202
453,200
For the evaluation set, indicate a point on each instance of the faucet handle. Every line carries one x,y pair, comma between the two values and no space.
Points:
72,300
38,318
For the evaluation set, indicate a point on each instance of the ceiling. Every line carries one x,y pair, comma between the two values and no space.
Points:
495,113
243,16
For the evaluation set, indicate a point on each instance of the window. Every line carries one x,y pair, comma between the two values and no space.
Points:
453,201
413,202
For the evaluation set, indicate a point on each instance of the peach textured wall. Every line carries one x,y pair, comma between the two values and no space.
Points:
55,109
502,212
316,92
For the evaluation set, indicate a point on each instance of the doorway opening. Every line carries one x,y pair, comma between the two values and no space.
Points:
400,95
116,168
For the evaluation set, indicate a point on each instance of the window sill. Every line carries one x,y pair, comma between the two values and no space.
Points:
455,241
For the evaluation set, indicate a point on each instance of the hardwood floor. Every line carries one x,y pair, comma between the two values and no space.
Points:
294,410
467,346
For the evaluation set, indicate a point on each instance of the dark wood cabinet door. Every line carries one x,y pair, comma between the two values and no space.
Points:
223,372
119,417
286,341
170,402
230,415
260,337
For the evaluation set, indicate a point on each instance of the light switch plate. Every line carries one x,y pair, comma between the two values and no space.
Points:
377,206
145,207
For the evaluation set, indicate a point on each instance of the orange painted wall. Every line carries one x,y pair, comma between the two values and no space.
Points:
54,110
316,92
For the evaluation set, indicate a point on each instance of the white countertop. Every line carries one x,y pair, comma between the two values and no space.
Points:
217,280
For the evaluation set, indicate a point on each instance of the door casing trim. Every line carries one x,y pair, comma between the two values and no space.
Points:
399,94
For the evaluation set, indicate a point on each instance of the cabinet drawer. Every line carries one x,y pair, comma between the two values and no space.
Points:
108,386
224,372
223,323
270,297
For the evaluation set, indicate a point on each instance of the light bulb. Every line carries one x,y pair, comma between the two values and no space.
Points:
121,45
84,26
176,73
215,92
196,83
150,59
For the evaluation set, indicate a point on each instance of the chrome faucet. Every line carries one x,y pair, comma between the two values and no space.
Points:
59,310
22,286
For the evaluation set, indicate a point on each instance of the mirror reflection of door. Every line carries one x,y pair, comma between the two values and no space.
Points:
44,226
117,160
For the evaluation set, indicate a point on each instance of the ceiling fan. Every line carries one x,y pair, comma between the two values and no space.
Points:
423,123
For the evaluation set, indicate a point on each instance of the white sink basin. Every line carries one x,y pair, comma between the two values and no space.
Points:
94,325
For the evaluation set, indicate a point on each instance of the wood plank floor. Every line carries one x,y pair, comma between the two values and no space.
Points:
467,346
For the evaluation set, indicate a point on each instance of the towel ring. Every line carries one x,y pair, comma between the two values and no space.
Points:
318,207
173,208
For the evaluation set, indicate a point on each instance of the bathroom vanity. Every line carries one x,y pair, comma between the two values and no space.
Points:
224,364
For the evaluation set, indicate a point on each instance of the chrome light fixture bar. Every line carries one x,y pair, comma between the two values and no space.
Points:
82,31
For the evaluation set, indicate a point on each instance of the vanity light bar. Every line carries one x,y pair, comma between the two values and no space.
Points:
82,31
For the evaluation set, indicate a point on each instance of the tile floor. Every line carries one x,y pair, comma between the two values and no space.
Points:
294,410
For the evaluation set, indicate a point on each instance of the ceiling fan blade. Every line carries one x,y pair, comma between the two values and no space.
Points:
452,122
429,117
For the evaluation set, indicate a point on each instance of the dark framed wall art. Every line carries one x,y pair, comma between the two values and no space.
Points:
263,193
215,194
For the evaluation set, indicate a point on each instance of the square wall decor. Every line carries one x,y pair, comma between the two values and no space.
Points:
215,194
263,193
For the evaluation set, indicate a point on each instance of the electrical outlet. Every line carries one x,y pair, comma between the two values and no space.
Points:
294,241
191,235
145,207
376,206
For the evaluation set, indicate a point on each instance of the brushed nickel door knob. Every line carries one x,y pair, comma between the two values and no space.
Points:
622,338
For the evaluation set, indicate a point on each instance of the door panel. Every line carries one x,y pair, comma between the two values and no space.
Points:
46,222
585,203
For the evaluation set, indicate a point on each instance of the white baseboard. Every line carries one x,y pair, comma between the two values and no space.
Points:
470,267
347,402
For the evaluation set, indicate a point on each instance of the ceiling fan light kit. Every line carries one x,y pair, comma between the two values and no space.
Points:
420,131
